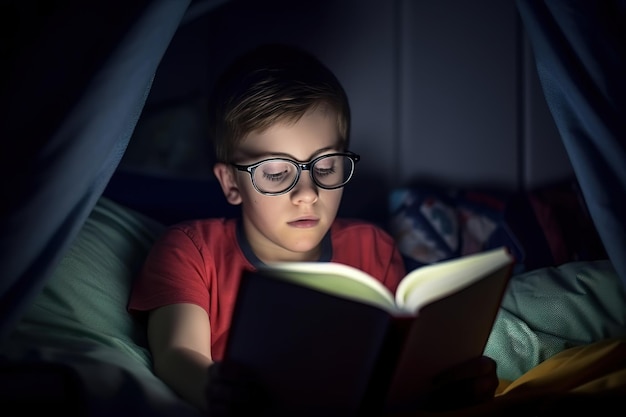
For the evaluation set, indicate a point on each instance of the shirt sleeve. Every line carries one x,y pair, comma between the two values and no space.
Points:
174,272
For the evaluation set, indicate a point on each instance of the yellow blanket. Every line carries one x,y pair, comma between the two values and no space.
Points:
584,380
591,369
590,378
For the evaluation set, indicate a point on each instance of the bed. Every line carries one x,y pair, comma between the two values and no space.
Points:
67,342
555,326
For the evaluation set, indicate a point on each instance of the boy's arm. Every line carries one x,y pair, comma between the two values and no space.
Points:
180,341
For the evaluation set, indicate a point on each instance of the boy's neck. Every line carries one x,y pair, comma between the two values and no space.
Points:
322,253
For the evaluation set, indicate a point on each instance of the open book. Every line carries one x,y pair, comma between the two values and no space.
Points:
328,339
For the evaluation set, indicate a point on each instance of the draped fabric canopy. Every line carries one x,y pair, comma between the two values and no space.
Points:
580,50
80,73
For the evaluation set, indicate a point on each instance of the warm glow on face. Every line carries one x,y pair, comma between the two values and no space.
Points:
289,226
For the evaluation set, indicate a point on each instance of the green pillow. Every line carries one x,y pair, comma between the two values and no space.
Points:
548,310
85,299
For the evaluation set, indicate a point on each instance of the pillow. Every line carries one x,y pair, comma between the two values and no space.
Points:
85,299
432,224
543,227
77,346
548,310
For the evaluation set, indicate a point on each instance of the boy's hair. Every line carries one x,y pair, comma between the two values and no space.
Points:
272,83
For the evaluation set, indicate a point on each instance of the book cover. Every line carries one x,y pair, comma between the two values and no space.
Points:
341,351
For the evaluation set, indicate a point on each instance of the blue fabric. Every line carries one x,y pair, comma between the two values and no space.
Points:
78,83
580,52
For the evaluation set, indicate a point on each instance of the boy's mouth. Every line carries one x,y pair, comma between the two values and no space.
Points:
304,222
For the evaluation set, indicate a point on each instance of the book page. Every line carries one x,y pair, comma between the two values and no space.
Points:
337,279
432,282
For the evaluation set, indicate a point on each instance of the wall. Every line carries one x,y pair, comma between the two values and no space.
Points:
441,90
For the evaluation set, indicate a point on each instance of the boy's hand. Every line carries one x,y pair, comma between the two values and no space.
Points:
472,382
231,391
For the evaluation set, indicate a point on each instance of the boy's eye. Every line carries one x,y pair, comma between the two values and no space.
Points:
276,171
278,176
322,172
324,167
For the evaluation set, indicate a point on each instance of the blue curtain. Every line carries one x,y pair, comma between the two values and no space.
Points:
77,80
580,51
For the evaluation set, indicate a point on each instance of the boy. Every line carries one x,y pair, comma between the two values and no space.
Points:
281,124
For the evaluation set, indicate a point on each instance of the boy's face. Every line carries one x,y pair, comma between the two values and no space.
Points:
290,226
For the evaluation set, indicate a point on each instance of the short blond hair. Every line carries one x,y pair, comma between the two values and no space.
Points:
271,84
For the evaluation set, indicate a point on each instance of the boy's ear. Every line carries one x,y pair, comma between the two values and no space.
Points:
225,175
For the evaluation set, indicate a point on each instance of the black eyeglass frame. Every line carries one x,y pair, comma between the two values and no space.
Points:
300,167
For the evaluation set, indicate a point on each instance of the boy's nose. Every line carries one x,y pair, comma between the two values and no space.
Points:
305,190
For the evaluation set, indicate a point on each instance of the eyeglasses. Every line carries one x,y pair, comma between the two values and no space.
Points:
278,176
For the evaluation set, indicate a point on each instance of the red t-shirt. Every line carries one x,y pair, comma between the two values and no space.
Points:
201,262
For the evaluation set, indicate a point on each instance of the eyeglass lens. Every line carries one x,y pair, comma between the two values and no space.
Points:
275,176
